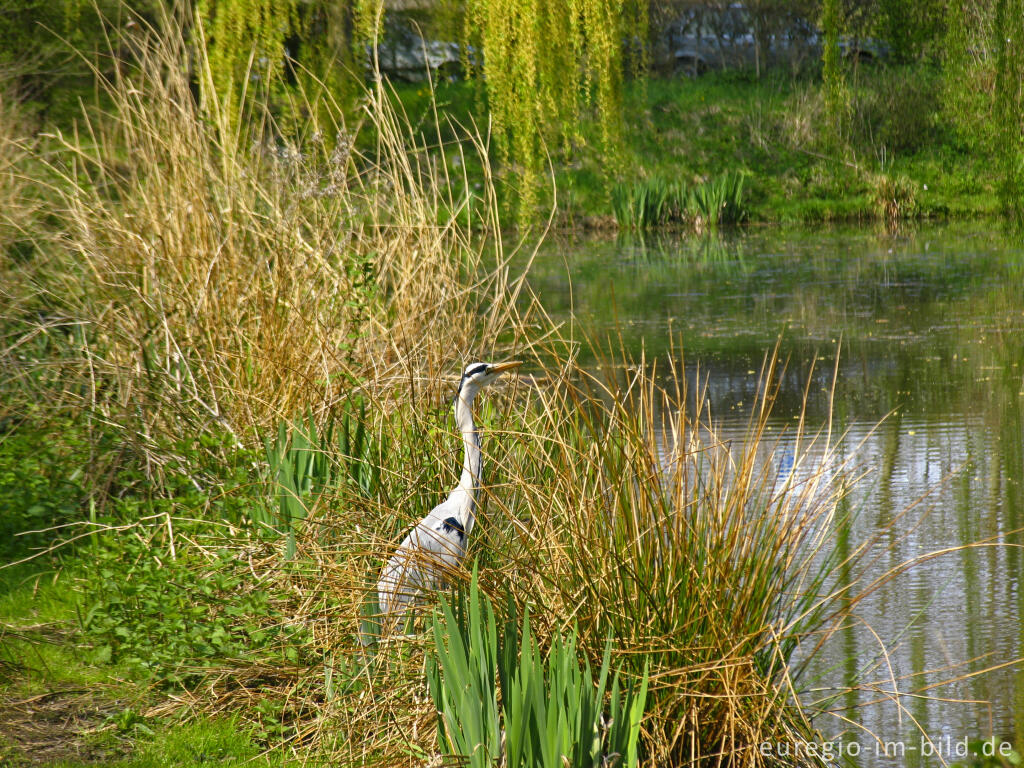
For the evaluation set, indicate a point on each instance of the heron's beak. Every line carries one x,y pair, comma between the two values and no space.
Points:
502,367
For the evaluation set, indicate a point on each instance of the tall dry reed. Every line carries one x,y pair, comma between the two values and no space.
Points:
224,274
635,519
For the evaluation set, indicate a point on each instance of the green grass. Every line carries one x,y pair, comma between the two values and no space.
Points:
91,634
694,130
216,741
224,741
50,671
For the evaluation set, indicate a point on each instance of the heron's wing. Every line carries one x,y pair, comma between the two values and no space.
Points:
436,544
442,541
400,579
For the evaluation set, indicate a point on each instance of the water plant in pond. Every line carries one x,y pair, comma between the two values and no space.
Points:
551,712
717,202
656,202
645,203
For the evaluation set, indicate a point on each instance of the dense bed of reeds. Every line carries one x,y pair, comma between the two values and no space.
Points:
655,202
209,280
612,512
225,275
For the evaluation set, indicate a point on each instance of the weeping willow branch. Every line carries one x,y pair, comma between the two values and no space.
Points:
544,63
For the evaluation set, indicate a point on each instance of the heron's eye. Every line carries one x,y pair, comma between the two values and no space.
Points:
477,370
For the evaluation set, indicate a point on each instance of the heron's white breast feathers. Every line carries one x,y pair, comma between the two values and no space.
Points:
436,545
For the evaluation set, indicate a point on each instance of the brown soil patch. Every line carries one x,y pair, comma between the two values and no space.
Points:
59,725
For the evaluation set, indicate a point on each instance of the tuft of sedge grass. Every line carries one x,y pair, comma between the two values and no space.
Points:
553,712
637,521
895,198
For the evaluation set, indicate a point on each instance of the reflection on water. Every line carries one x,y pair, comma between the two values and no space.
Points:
931,331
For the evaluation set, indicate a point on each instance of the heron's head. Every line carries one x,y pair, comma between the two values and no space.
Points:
479,375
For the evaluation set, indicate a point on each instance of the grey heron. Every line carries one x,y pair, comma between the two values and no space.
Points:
438,542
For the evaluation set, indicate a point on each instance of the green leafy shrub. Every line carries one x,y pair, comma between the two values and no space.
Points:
913,30
41,484
170,617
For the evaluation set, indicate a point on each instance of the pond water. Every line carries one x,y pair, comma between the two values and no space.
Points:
929,328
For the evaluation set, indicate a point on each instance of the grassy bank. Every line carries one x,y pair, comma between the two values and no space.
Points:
229,353
903,157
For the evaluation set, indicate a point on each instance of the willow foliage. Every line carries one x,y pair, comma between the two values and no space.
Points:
543,62
249,42
835,94
1009,103
244,38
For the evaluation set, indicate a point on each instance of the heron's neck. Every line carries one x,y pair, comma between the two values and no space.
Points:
471,462
469,483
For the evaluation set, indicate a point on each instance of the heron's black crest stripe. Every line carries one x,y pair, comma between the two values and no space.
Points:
452,525
481,368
